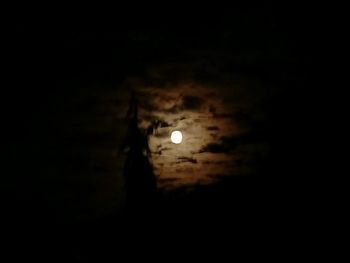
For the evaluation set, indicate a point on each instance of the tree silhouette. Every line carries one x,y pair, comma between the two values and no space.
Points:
141,185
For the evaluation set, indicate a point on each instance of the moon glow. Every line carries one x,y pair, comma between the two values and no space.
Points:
176,137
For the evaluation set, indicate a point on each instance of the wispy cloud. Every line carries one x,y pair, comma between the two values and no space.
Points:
186,159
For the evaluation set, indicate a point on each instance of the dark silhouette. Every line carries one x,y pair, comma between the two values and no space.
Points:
140,180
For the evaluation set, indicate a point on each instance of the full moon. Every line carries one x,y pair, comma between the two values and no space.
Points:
176,137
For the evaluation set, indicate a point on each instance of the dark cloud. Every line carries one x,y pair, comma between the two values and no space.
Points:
167,180
174,109
215,148
214,162
223,115
226,145
181,118
148,117
214,135
147,105
156,122
192,103
211,94
184,159
164,124
249,137
159,123
165,149
161,150
230,142
250,143
213,128
212,109
217,176
161,133
184,170
187,103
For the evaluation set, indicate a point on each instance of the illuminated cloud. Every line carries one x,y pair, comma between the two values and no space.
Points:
218,120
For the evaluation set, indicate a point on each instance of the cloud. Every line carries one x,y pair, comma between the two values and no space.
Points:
226,145
215,148
223,115
164,124
217,175
192,103
167,180
161,133
150,105
161,149
147,105
188,170
213,111
165,149
214,162
213,128
181,118
184,159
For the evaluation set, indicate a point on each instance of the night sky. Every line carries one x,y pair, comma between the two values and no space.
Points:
235,81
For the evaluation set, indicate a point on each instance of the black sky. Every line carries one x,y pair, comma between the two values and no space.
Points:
65,67
58,56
